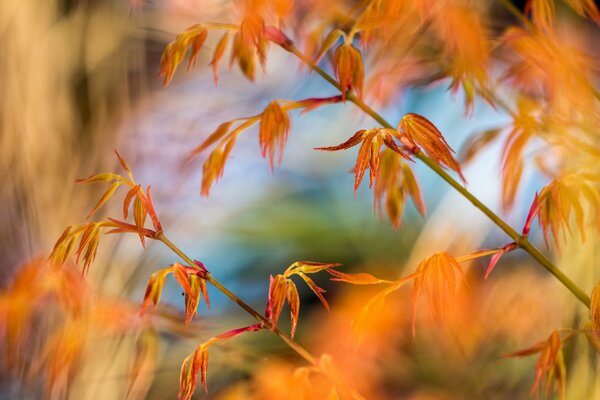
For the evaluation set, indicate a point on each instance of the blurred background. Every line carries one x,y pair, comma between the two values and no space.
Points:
80,78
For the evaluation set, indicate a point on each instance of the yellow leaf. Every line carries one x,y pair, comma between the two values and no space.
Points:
105,197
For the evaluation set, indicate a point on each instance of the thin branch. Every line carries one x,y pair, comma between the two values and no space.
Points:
522,241
209,278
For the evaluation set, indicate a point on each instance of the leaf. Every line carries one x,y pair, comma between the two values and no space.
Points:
293,300
421,132
154,289
476,143
348,68
182,278
149,206
218,54
197,362
496,257
533,211
128,198
197,43
194,363
331,39
394,181
369,152
214,165
273,132
550,366
139,217
175,51
193,299
356,279
105,197
276,300
561,200
124,165
309,267
103,177
212,138
316,289
437,275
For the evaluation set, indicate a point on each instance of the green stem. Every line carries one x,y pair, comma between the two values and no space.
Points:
521,241
209,278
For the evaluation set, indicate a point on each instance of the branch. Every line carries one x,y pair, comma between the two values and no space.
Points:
521,241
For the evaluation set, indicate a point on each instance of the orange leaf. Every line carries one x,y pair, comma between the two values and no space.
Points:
154,289
550,366
437,275
130,195
421,132
277,296
192,300
369,152
212,138
273,132
217,55
139,216
316,289
197,43
194,363
124,165
180,274
175,51
293,300
348,68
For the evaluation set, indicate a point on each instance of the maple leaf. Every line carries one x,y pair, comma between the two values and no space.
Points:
465,46
439,275
523,127
369,152
395,181
273,132
174,53
191,281
282,289
564,198
550,366
422,133
197,362
349,69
